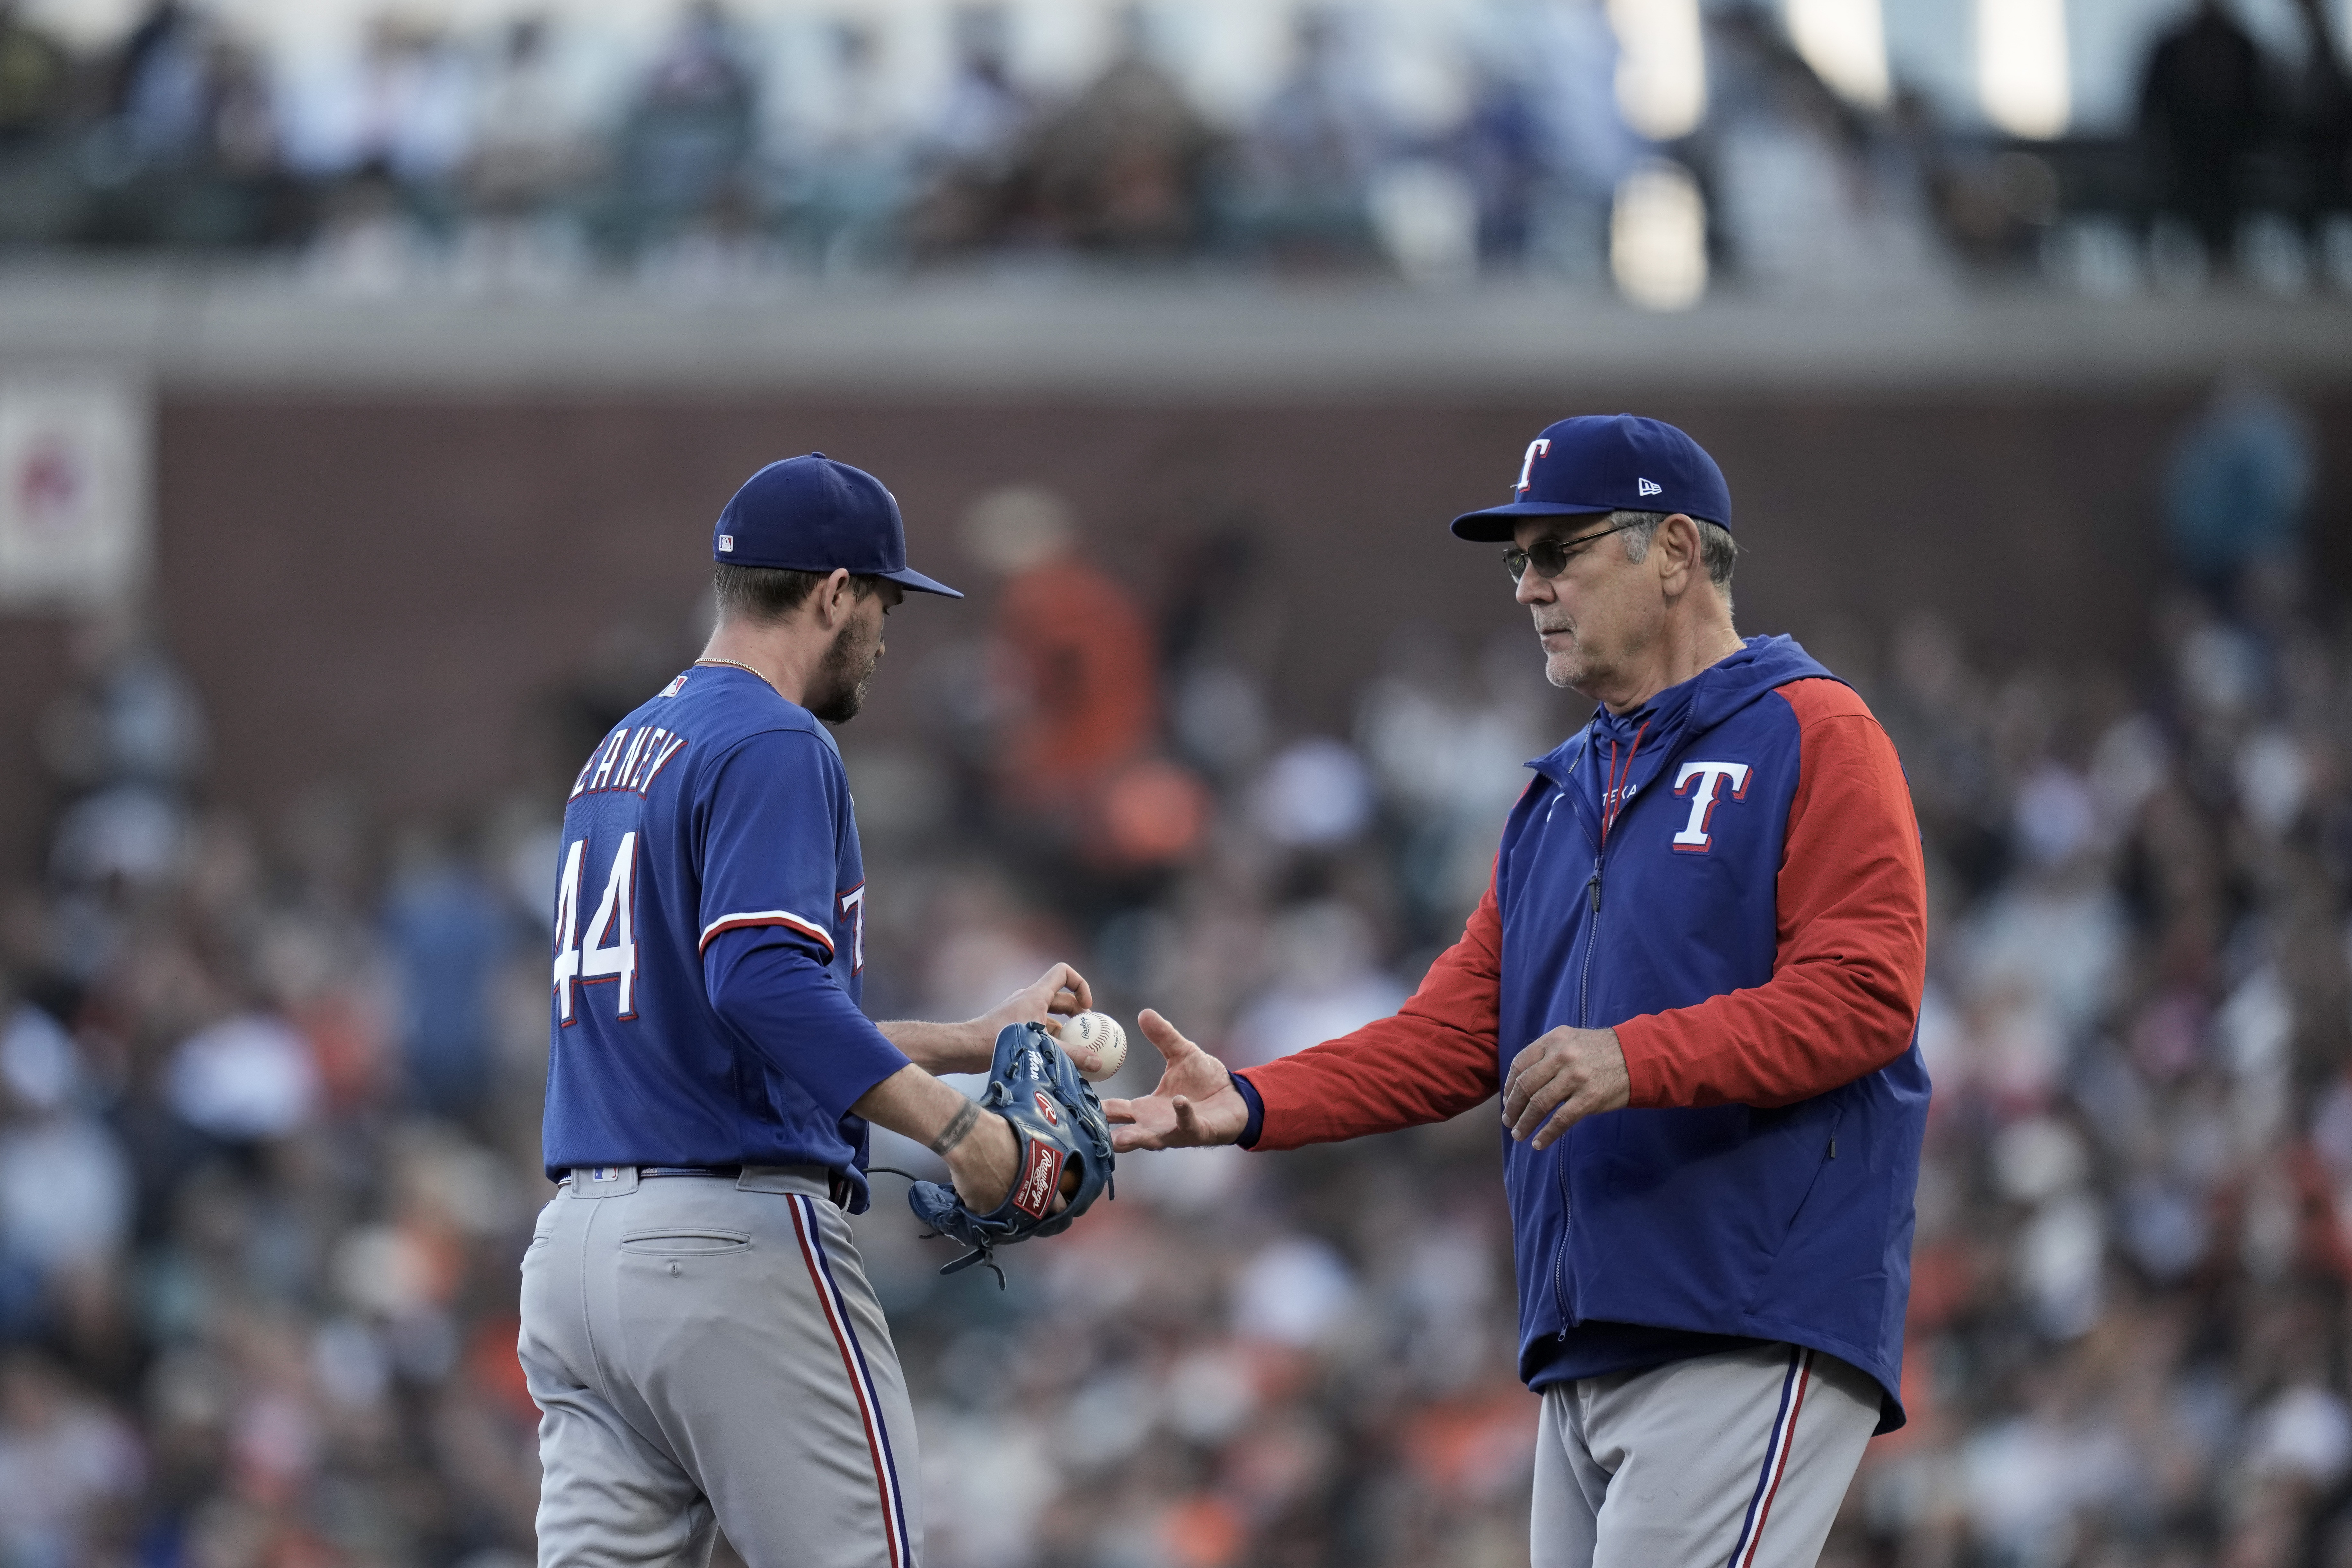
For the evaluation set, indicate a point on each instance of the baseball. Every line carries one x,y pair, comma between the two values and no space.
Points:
1101,1033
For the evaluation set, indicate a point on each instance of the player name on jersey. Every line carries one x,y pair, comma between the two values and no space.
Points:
628,760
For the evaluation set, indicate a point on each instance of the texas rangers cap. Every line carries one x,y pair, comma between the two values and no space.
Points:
813,514
1606,462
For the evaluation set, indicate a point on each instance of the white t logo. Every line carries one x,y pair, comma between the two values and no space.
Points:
1536,448
853,914
1709,778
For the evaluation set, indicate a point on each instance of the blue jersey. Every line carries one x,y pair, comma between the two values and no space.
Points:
708,943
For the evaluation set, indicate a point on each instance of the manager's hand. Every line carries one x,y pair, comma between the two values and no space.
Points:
1194,1104
1561,1078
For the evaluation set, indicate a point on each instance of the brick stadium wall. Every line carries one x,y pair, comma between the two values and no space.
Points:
385,595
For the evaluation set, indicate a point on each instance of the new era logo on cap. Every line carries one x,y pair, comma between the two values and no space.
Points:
1647,487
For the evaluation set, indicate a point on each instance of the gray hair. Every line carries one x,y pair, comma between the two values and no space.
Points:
1718,550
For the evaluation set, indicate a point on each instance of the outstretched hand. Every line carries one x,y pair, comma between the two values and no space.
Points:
1194,1104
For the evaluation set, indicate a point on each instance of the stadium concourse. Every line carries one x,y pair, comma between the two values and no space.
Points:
275,1017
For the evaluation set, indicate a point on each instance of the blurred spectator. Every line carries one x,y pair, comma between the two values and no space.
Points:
125,745
66,1463
684,153
1305,167
1314,795
529,153
1500,149
2239,482
1810,197
35,76
1076,710
1542,144
525,142
163,91
448,932
2323,115
855,174
246,1078
1574,60
984,111
413,110
972,145
2201,113
1326,984
1122,168
388,135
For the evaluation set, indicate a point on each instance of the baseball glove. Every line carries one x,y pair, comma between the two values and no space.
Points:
1059,1119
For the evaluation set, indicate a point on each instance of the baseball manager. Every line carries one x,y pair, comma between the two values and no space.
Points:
1695,982
698,1330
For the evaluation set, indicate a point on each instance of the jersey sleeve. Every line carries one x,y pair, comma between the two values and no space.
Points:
797,1016
1851,955
770,855
771,842
1434,1058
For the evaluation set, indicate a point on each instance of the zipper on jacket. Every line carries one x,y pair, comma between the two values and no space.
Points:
1583,1009
1559,1254
1559,1149
1591,941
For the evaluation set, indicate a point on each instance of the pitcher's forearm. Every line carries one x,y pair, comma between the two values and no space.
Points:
968,1046
981,1151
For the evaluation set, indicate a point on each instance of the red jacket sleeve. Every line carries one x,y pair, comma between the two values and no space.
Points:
1434,1059
1852,959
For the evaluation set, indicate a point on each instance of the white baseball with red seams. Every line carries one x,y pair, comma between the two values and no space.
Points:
1101,1034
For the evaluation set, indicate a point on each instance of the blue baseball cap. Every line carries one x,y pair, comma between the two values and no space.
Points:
1602,463
813,514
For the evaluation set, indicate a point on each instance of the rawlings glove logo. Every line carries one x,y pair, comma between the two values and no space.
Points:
1045,1108
1035,1195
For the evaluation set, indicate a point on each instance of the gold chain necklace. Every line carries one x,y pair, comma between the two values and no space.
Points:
745,669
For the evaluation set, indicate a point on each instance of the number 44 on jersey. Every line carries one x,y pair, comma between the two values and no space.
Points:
614,922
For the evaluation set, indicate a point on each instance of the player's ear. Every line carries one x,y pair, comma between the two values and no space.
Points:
1678,538
834,595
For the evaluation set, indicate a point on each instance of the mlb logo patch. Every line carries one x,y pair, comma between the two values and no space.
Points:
727,544
675,687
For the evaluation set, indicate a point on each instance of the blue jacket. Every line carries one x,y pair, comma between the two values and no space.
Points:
1791,1222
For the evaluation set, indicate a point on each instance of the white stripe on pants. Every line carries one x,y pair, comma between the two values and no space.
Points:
1734,1460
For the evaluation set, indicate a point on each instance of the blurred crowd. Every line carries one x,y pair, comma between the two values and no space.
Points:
268,1093
741,149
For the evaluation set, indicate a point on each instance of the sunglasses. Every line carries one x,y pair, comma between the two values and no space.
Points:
1550,557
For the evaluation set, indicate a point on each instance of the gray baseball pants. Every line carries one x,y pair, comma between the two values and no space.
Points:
1734,1460
707,1355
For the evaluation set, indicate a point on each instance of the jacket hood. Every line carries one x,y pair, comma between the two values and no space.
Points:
1698,704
